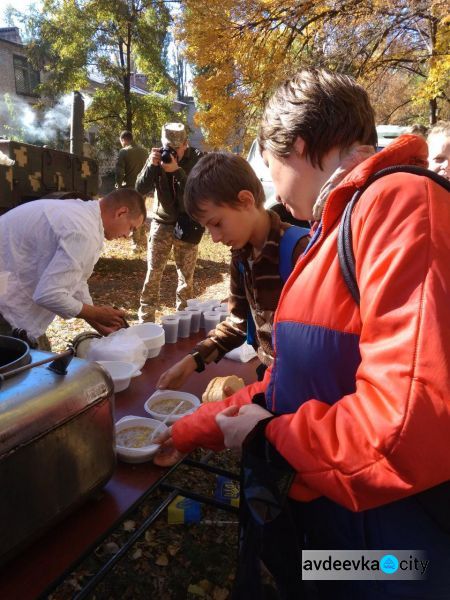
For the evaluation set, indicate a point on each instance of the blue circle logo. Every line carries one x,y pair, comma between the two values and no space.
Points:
389,563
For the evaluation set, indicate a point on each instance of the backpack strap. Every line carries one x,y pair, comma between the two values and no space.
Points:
288,242
286,248
344,242
251,327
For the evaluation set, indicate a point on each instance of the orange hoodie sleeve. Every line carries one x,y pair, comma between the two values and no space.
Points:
390,438
200,430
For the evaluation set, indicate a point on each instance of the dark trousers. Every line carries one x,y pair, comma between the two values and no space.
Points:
278,545
42,342
325,525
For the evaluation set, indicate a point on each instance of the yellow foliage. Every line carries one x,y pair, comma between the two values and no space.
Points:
242,49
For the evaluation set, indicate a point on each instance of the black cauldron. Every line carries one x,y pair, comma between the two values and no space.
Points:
14,353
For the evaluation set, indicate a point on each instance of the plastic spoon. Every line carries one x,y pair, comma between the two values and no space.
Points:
144,449
166,419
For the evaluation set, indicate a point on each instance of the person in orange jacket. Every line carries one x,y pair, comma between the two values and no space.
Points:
356,406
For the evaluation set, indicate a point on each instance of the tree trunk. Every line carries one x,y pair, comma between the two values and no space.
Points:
127,83
433,111
124,57
433,101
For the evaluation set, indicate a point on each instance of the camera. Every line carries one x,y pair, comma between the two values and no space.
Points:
166,153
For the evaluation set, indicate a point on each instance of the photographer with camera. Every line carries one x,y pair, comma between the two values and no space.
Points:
165,174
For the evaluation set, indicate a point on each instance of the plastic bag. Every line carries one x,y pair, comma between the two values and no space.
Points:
120,345
242,354
4,275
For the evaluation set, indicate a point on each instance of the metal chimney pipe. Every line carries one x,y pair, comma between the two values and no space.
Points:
76,124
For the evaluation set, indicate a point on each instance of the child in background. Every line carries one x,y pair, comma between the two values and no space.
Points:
224,194
439,149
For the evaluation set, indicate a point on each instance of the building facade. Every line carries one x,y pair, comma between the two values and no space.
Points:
18,79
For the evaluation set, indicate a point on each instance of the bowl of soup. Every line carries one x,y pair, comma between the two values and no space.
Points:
163,402
134,438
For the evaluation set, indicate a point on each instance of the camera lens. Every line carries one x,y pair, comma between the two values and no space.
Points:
166,154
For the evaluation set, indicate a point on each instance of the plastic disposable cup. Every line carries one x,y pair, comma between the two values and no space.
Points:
170,326
223,312
212,319
196,314
204,306
193,302
184,324
211,303
224,305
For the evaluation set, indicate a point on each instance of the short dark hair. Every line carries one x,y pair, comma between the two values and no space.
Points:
126,136
327,110
219,177
418,129
127,197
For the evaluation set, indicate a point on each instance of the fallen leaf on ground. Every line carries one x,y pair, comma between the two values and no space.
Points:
220,593
111,548
172,550
205,585
162,560
196,590
129,525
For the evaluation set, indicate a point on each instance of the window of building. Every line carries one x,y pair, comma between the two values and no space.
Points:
26,77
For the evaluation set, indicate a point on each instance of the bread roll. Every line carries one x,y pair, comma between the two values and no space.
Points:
216,387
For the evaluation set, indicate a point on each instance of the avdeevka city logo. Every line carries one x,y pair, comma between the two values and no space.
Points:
389,563
334,565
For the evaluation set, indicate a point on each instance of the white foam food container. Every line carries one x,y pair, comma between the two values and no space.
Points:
152,335
144,453
175,395
121,373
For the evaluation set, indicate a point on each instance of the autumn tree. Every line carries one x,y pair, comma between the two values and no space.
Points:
180,69
73,40
241,49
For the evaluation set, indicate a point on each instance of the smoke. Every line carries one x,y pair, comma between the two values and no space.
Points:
20,121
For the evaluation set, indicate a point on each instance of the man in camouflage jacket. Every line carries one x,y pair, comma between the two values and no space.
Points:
167,181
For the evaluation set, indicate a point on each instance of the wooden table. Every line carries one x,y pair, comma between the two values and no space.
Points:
52,557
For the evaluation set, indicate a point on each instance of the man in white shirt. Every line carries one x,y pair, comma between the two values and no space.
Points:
49,248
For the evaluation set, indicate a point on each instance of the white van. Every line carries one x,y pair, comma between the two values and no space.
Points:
388,133
256,162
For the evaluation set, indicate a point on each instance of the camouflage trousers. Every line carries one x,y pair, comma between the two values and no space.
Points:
160,243
140,237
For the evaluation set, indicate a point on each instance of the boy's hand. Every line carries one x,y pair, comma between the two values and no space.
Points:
174,377
236,423
167,455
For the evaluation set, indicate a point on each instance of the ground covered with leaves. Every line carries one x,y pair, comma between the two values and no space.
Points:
189,561
170,561
119,274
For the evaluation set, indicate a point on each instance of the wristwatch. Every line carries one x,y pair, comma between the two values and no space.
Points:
198,361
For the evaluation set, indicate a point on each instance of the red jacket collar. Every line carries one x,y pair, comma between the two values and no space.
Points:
405,150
